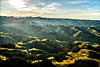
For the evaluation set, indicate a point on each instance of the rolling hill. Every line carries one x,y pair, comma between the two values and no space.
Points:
59,42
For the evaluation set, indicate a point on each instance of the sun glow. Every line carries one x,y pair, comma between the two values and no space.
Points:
18,4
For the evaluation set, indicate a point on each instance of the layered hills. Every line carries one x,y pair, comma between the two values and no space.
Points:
41,41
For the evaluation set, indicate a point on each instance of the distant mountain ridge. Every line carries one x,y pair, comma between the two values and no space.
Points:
48,18
57,21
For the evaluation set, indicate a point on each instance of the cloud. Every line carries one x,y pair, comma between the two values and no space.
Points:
85,15
52,7
91,16
79,10
78,2
43,7
5,6
18,4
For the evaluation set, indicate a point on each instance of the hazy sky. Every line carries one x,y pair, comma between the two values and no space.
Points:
83,9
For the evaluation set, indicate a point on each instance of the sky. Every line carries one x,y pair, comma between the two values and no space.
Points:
77,9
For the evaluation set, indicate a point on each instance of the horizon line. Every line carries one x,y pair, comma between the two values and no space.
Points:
50,17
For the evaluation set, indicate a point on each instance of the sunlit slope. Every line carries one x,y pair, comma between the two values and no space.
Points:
35,50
